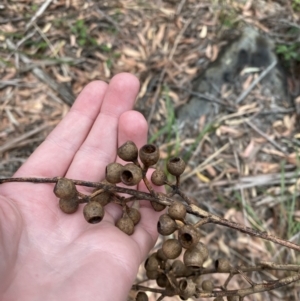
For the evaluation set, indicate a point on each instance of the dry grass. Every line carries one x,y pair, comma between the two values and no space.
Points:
241,165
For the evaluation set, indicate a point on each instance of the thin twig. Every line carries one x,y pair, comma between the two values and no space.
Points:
38,13
256,81
14,142
274,143
164,200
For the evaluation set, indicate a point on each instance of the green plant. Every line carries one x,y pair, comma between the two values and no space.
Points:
289,52
296,5
81,31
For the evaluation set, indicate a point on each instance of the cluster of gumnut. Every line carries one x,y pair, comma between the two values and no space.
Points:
177,276
181,277
129,174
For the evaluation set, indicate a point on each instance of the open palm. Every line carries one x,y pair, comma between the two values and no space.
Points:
49,255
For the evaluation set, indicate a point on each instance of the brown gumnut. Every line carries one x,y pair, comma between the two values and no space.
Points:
93,212
113,173
188,236
178,268
166,225
152,263
102,198
149,155
187,288
162,280
172,248
125,224
158,177
233,298
222,265
195,257
69,205
207,285
157,207
131,174
161,256
128,151
134,214
141,296
176,166
177,210
152,275
65,189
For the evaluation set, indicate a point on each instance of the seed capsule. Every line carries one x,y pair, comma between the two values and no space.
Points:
149,155
102,198
207,285
134,214
166,225
187,288
93,212
157,207
69,205
131,174
177,210
188,236
162,280
126,225
128,151
194,257
113,173
178,268
222,265
158,177
176,166
152,263
141,296
172,248
152,275
65,189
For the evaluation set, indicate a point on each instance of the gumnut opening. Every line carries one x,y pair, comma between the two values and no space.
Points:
149,155
187,288
188,236
93,212
176,166
131,174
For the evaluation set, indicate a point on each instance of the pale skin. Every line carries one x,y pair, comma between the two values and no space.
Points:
49,255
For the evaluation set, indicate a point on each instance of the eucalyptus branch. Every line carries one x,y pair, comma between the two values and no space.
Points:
174,275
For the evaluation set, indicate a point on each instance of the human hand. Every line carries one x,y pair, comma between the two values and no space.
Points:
49,255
